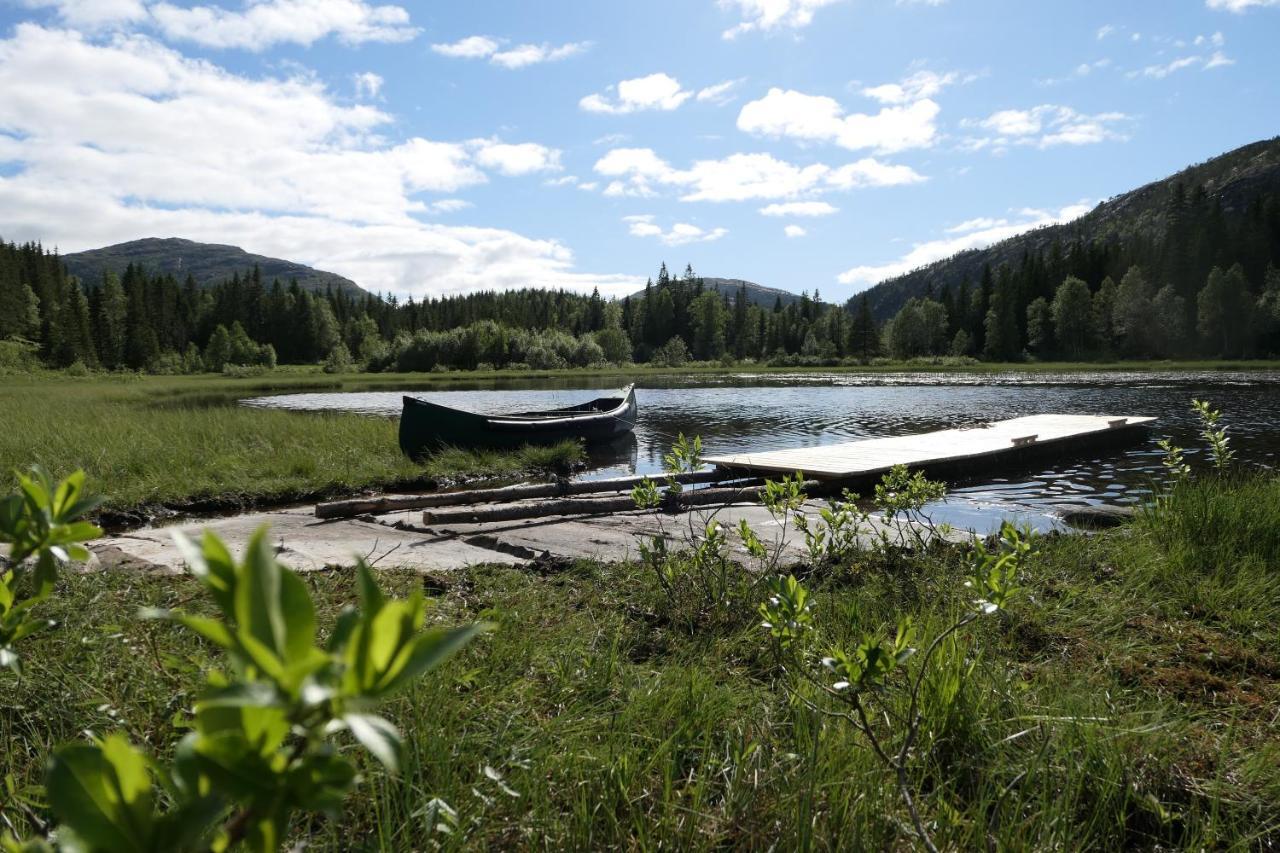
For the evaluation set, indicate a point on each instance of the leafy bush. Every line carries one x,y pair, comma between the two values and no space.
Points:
263,739
43,526
674,353
18,356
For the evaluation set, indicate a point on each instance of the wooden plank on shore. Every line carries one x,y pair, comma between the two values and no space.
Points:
364,506
747,492
849,460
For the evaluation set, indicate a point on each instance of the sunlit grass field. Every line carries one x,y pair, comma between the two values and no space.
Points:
1127,701
186,442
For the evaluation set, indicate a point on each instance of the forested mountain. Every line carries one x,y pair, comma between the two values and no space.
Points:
1126,229
757,294
207,263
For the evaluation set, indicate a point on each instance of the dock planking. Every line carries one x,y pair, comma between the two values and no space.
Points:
951,449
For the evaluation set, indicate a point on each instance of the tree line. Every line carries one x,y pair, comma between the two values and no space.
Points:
1207,285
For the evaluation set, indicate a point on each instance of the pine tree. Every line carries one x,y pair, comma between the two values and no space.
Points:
1039,326
1072,317
864,339
112,323
73,332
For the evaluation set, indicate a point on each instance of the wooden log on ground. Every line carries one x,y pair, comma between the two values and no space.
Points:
746,491
504,494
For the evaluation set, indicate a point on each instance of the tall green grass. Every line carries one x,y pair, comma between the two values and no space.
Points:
166,441
1107,712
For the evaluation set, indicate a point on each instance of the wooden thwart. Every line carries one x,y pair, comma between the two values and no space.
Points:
857,459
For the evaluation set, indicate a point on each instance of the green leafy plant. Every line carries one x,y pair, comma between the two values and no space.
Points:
43,525
1214,434
263,744
902,497
685,458
868,685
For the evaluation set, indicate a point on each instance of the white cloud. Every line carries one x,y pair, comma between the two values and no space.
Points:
800,208
92,14
974,234
653,92
719,93
1045,126
1239,6
484,47
679,234
471,47
448,205
269,22
1104,31
769,15
915,87
1216,59
532,54
740,177
794,231
367,84
106,142
817,118
519,159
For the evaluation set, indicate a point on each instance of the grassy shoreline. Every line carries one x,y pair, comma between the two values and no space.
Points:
158,444
1126,702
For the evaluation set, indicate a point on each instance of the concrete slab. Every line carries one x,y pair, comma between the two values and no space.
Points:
398,539
302,542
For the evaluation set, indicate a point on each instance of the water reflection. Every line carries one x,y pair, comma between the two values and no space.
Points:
766,411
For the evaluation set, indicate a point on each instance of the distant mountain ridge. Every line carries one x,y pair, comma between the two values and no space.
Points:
1232,179
757,294
208,263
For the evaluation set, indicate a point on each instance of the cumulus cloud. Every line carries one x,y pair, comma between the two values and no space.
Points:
769,15
112,141
1239,6
915,87
519,56
269,22
817,118
794,231
258,26
517,159
653,92
976,233
678,235
641,172
471,47
93,14
800,208
1045,126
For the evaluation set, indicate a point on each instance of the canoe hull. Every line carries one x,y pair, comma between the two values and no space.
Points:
426,427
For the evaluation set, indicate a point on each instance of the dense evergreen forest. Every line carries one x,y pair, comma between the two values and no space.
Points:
1208,286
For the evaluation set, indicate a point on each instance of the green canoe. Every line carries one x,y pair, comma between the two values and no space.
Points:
426,426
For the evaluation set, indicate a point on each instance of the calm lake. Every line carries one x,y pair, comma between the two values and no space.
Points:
765,411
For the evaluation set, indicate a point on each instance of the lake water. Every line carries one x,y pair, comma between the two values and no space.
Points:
743,411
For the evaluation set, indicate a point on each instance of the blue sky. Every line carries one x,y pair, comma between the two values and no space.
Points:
429,148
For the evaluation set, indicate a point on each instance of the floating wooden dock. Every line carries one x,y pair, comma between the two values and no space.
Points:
949,450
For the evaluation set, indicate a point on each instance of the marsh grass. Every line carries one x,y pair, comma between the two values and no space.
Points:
185,442
1112,709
